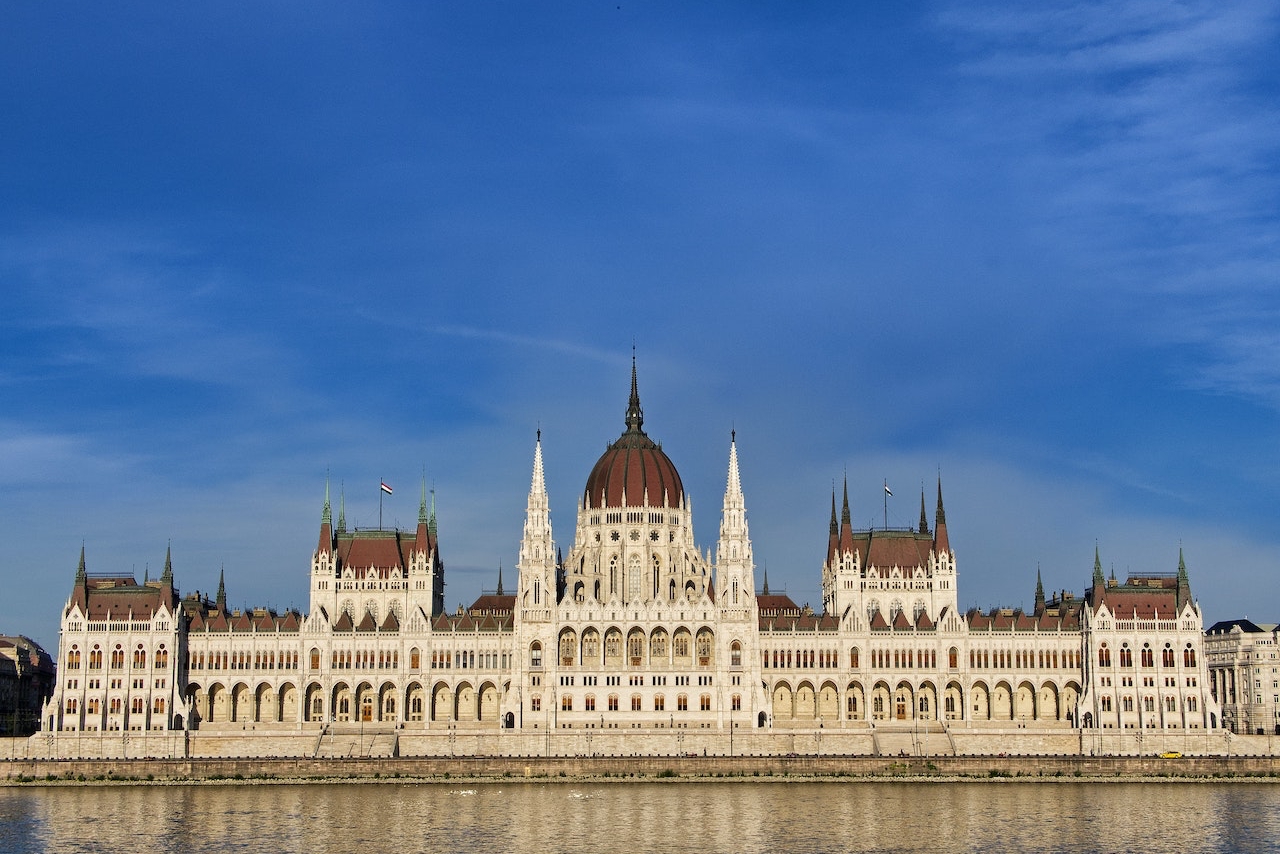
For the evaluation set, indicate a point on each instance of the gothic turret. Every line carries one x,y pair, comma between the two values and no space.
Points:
734,572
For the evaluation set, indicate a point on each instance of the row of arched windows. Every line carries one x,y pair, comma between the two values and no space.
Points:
1147,656
117,658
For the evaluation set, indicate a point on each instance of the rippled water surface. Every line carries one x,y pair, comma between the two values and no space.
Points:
773,816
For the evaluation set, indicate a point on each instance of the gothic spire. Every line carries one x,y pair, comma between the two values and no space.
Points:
499,578
342,508
1039,592
326,518
635,415
834,529
844,510
941,514
1097,566
422,502
431,519
924,521
222,589
765,592
167,576
80,573
940,541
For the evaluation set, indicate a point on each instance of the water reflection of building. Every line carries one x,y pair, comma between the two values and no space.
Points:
636,631
1244,673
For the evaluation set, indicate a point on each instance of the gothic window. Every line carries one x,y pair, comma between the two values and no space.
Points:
315,659
566,703
162,658
613,644
590,646
735,591
635,648
735,654
704,648
853,658
537,591
1106,704
735,703
953,656
635,702
589,703
117,658
415,659
704,702
73,658
659,703
613,702
1148,657
682,703
1189,657
613,573
139,657
916,610
1128,703
535,654
634,583
872,607
1104,656
1126,656
658,646
568,648
1166,656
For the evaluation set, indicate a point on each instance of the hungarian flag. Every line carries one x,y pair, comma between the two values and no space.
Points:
887,490
386,488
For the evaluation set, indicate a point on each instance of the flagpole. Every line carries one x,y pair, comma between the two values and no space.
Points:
886,504
381,491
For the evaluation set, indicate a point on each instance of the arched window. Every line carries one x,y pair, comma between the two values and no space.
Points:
1166,656
1189,656
853,658
315,658
635,648
735,654
735,591
415,659
1104,656
1126,656
704,648
73,658
634,583
162,658
535,654
613,575
117,658
139,657
953,658
95,658
1148,657
568,648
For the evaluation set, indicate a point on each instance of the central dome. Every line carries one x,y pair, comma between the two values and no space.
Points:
634,466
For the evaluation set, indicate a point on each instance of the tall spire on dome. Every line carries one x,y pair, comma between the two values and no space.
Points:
635,415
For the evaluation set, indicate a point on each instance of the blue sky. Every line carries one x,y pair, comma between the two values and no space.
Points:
1033,247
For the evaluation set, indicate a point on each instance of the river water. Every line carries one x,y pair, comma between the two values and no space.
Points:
766,816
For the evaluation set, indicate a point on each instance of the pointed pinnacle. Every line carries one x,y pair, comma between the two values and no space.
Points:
844,512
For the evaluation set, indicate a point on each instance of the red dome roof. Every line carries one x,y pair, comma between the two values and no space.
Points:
634,465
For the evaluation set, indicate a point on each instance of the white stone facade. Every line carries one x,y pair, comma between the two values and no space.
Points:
636,632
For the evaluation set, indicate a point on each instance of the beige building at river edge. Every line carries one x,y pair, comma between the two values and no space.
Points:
635,641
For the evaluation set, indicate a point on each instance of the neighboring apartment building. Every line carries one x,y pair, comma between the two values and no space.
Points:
26,682
1244,672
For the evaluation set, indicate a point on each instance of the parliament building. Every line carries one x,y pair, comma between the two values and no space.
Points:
635,636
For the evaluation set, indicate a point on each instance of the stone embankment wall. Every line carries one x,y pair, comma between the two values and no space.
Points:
1047,768
350,743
